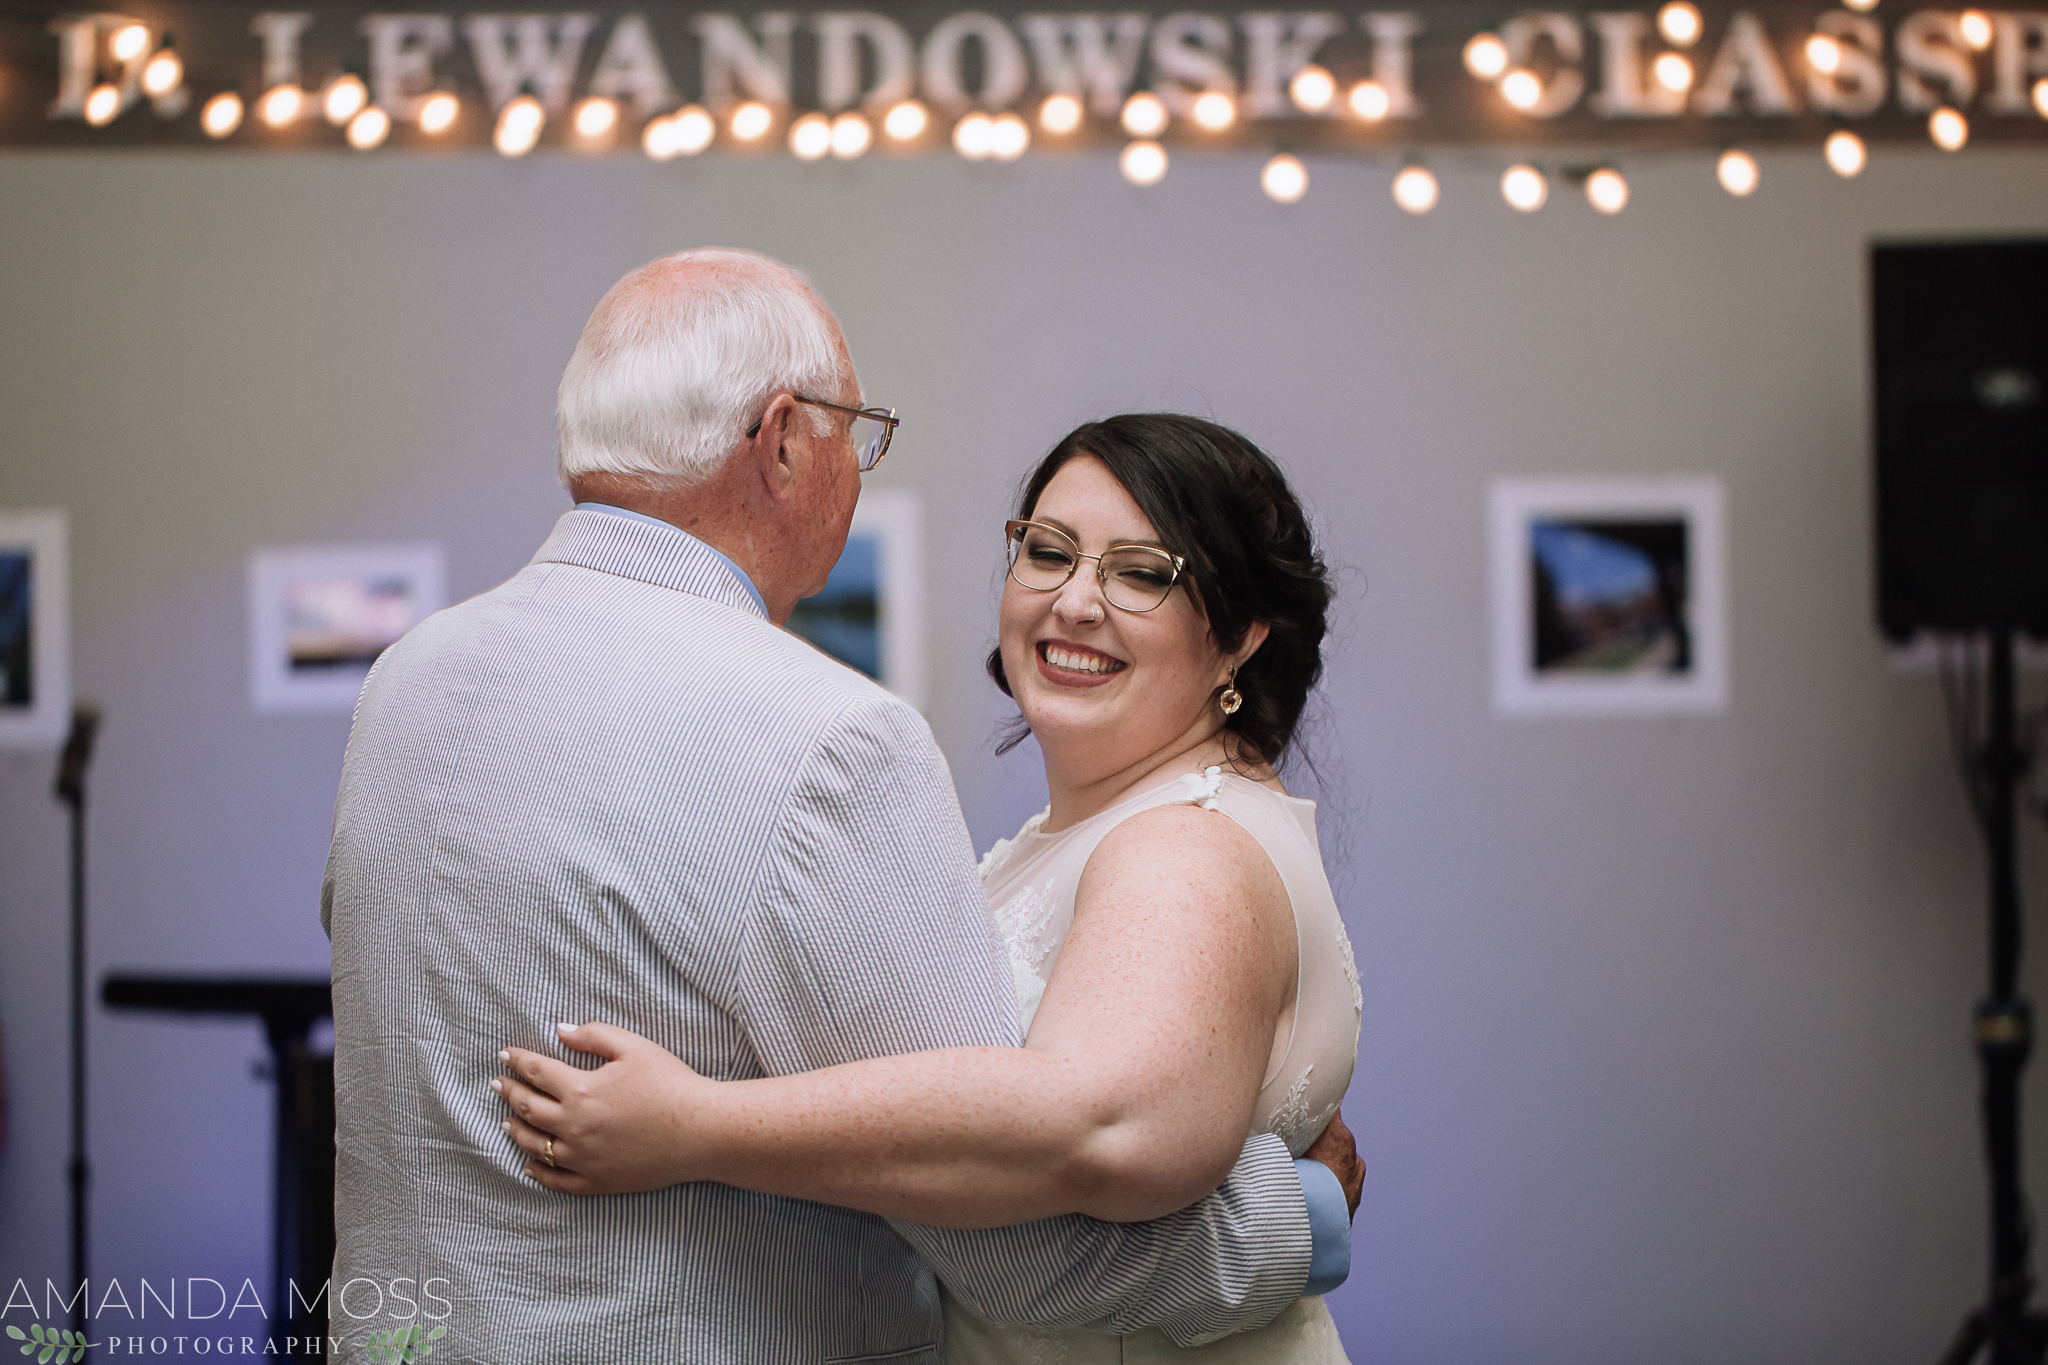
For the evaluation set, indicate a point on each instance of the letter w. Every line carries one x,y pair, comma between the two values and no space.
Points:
540,50
1077,54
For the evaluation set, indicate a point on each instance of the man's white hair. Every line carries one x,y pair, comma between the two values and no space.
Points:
679,358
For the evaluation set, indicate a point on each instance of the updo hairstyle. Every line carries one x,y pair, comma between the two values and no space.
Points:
1219,500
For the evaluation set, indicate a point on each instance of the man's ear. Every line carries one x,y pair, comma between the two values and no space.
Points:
775,459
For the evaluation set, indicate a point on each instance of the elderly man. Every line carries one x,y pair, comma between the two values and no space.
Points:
612,789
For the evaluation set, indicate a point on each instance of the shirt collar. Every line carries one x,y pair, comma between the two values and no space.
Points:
712,550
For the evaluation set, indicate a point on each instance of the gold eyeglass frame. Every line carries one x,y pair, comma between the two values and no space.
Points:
1013,539
886,416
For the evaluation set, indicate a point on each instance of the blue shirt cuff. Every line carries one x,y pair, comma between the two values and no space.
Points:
1329,1224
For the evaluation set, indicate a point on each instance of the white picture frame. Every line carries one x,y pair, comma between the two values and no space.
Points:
871,616
319,615
1608,596
35,628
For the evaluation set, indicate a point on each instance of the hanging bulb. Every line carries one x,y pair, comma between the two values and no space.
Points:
519,125
852,135
130,42
810,137
1213,110
344,98
1673,72
1975,27
1823,54
1144,115
595,117
974,136
2041,97
1521,89
693,129
1415,189
437,113
905,120
281,104
1008,137
1845,153
1949,129
1486,56
659,139
1607,191
1737,171
1143,163
102,105
368,129
1861,6
1284,179
1059,114
1680,24
1370,101
1312,89
751,121
221,115
164,73
1524,188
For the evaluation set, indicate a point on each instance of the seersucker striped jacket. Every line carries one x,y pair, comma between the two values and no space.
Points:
610,789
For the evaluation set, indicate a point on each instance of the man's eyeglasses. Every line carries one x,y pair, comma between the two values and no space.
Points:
1133,577
871,440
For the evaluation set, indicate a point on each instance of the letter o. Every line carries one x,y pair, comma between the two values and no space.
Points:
342,1298
1003,73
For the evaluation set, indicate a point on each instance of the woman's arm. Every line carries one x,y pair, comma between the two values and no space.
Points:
1131,1097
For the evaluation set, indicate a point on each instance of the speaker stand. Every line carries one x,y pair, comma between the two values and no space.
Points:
2004,1331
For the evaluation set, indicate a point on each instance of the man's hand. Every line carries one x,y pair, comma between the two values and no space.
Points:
1338,1150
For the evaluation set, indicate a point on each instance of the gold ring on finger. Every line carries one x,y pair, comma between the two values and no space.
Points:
548,1155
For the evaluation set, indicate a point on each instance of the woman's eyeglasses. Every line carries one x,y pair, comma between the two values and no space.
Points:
1133,577
871,441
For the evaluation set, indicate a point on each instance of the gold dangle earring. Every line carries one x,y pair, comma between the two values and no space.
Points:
1231,698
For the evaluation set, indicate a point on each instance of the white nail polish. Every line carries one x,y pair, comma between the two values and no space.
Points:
505,1057
497,1085
565,1028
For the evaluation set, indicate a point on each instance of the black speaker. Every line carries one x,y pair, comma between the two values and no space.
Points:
1961,341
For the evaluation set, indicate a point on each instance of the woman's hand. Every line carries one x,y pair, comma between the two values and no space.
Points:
638,1122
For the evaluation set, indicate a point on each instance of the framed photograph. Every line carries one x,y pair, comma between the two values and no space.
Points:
1609,596
871,614
319,616
35,630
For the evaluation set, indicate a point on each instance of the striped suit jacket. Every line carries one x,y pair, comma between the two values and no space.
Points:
610,789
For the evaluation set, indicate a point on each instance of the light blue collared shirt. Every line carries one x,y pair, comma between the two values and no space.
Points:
737,571
1329,1217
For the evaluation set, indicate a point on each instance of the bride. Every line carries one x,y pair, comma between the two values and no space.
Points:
1183,977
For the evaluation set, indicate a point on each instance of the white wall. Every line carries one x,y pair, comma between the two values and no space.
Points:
1666,1020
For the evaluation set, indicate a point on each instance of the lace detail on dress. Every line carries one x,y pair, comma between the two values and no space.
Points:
1291,1119
1350,964
1201,788
999,853
1022,920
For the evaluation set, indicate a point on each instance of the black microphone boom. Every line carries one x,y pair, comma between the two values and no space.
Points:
71,769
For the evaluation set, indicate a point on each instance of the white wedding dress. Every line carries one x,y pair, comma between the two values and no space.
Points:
1030,881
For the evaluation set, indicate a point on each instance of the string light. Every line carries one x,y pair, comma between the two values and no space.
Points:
1737,172
164,73
1607,191
368,129
2041,97
751,121
1673,72
1949,129
1975,27
344,99
1008,138
1059,114
437,114
1861,6
1144,116
1524,188
596,117
101,105
1370,101
1680,24
852,135
281,104
810,137
1845,153
129,43
1486,56
222,114
519,125
1521,89
659,139
974,136
1312,89
1824,54
1213,110
1284,179
1415,189
905,120
1143,162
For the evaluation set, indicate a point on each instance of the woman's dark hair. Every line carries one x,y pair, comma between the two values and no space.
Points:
1219,500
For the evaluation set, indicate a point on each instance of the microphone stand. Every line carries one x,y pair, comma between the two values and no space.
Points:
71,769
